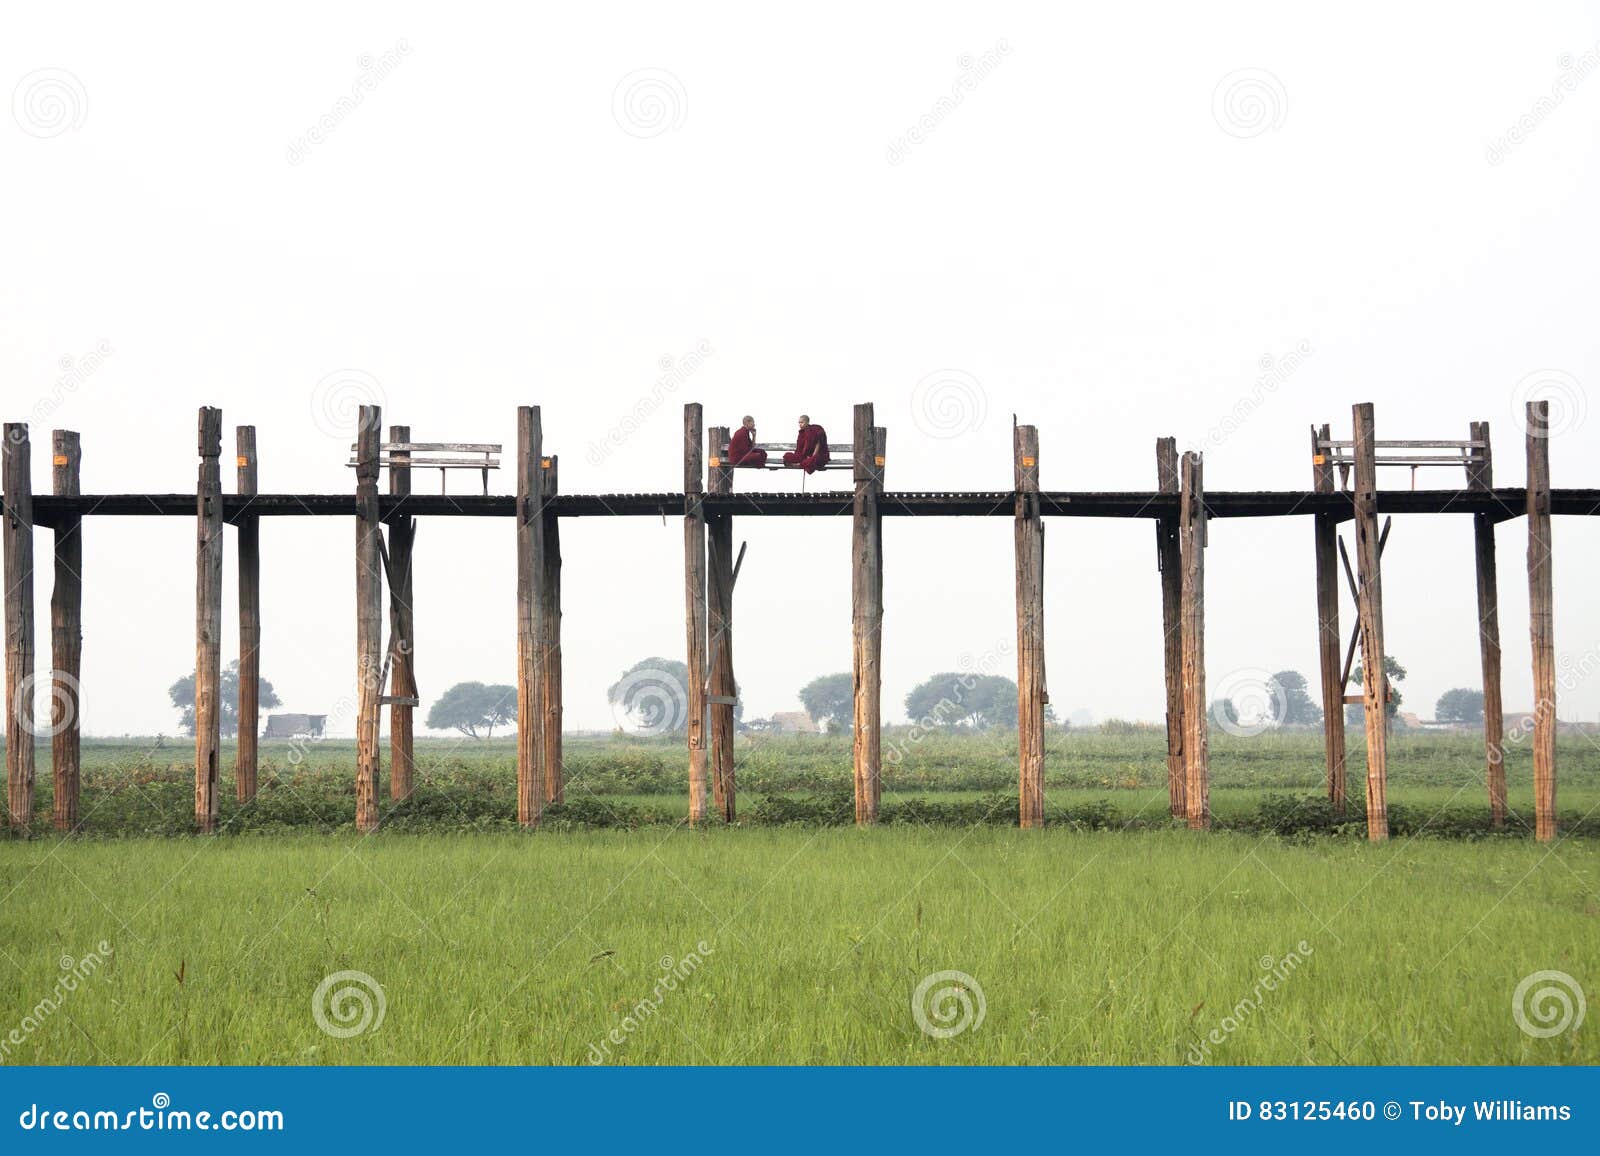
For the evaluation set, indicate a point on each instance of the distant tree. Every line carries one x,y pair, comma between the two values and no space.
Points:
1224,713
470,707
964,699
1462,705
1396,674
653,697
830,700
1297,709
182,695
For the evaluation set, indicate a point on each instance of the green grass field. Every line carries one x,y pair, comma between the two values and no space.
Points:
1110,938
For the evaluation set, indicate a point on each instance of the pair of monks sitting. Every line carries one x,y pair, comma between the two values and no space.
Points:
810,451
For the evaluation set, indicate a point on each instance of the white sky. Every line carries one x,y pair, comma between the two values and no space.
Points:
1082,235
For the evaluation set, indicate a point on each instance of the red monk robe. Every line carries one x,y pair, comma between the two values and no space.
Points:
810,451
742,451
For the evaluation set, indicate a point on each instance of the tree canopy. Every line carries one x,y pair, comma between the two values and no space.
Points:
1293,706
471,707
1396,673
954,699
1461,704
652,697
830,700
182,695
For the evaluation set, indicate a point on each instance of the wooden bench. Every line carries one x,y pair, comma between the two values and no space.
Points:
441,456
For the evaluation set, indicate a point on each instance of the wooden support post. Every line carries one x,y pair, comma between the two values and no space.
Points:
402,629
695,613
66,634
19,624
866,595
1170,565
1541,618
245,768
550,692
1369,605
369,618
1032,695
1480,477
1192,627
208,622
1325,530
530,640
719,599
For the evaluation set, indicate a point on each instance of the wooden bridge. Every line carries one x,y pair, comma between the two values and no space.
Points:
1344,488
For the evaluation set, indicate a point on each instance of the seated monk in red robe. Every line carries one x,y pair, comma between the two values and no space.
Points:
742,451
810,451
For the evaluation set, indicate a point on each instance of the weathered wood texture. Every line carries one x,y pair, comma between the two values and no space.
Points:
695,611
369,619
1480,476
1169,563
1032,695
66,636
208,622
1192,627
550,687
1541,622
1325,531
402,626
719,600
246,757
19,624
530,640
866,621
1369,608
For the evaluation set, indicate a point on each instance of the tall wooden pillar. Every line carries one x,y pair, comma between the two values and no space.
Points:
695,612
1032,695
402,629
245,769
369,618
1169,563
66,634
866,595
530,634
1192,628
719,599
1541,618
550,692
19,624
1325,530
1369,605
1480,478
208,622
